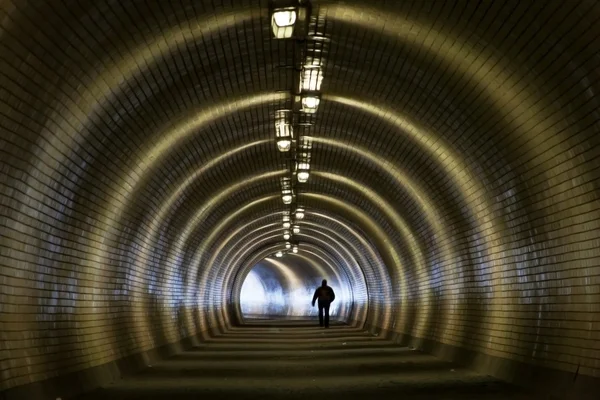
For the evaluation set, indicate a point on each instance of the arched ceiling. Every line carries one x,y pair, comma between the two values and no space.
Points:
453,161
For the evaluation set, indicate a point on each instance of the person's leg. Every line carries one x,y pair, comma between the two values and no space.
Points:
327,315
321,314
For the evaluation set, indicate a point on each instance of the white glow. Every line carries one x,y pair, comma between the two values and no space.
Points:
311,79
310,104
283,129
288,245
286,218
284,145
299,214
253,298
284,17
286,236
274,288
282,23
296,229
295,249
279,254
286,225
287,198
303,176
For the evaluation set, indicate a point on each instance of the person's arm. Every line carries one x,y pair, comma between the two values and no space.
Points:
315,297
332,295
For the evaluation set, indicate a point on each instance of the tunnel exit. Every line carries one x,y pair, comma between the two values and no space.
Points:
283,287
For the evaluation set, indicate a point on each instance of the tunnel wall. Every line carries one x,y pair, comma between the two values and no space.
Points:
506,155
71,297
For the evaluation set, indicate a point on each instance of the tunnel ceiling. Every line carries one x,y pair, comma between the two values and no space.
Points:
453,162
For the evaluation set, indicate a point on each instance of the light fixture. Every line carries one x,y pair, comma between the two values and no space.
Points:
283,131
282,22
286,235
286,218
279,254
303,173
300,213
295,249
311,78
286,225
296,229
286,196
284,145
303,176
310,104
288,245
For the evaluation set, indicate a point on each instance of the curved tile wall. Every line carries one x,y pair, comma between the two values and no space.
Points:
454,158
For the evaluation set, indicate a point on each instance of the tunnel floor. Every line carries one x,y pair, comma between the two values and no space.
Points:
296,360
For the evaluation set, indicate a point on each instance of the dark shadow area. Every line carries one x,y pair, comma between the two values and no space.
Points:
277,359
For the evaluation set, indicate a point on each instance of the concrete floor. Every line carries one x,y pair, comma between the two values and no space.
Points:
295,360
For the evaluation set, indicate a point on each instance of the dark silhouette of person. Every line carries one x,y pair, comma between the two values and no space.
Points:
325,295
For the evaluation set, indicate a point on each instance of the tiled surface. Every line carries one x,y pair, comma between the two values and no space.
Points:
298,361
455,150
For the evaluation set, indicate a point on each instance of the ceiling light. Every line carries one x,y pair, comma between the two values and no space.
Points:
286,198
286,218
283,131
300,213
286,235
303,174
311,78
284,145
310,104
286,225
288,245
282,22
296,229
295,249
279,254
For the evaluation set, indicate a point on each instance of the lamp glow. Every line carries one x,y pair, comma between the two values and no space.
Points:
295,249
286,225
310,104
288,245
282,23
299,213
284,145
296,229
279,254
303,176
311,78
286,198
286,236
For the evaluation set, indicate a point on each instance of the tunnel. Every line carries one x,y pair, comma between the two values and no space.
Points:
178,176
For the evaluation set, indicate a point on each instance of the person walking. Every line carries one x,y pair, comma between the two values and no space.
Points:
325,295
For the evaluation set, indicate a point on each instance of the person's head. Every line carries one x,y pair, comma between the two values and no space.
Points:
324,283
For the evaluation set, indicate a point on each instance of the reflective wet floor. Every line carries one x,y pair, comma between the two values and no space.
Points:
296,360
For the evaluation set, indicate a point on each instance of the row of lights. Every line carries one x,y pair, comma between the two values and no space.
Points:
289,20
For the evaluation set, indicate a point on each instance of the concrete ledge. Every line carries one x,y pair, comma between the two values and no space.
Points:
548,382
79,382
